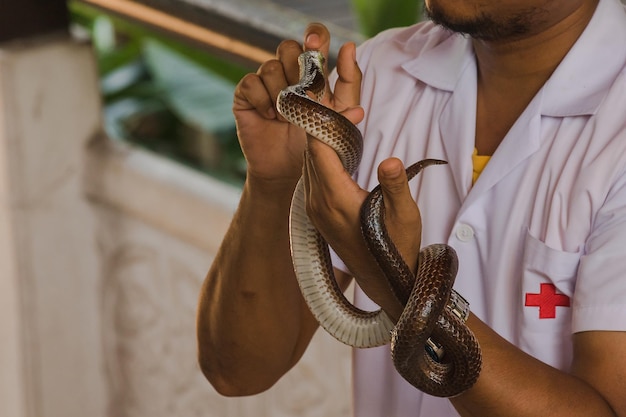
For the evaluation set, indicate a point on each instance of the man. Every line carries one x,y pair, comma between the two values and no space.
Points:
539,86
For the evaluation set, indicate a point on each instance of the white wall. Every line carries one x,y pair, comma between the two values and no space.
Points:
103,248
49,265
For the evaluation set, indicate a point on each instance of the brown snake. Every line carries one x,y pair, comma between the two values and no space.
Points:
427,319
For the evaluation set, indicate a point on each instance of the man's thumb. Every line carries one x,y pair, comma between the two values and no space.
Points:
393,181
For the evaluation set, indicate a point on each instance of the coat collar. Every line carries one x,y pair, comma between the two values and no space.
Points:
578,85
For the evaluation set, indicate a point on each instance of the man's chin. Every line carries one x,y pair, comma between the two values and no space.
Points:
482,25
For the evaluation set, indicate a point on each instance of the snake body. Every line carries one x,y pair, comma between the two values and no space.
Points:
425,316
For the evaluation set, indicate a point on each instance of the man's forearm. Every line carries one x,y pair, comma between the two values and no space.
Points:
514,384
249,318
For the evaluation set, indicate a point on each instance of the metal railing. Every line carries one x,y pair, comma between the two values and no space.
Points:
246,31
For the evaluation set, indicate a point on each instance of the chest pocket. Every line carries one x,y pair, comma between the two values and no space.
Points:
547,289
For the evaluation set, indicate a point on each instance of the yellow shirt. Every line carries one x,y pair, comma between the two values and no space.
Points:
479,162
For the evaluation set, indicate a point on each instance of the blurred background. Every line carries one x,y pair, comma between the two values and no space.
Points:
119,173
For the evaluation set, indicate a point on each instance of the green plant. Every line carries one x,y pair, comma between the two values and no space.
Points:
165,96
375,16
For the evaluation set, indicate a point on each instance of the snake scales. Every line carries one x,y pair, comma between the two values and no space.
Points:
426,316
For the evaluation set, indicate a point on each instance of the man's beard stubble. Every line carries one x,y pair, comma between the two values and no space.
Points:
487,27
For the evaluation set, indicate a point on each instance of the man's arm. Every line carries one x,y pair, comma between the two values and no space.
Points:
600,360
515,384
253,324
512,383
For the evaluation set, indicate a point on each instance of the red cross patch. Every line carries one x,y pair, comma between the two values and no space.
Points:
547,300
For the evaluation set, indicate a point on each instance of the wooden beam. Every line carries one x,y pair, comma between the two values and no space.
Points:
180,26
245,31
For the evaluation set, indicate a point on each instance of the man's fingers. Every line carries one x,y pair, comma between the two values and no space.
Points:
323,158
287,53
354,114
262,89
251,93
399,204
347,92
317,38
402,216
348,86
393,181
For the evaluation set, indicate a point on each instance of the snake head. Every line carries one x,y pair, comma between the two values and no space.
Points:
312,72
311,61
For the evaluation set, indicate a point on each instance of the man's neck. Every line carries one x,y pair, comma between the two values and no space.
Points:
511,72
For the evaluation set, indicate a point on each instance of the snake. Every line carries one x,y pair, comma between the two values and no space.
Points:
431,346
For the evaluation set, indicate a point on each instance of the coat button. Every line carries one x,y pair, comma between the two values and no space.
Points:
464,233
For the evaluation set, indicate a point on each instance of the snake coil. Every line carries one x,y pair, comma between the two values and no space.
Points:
427,318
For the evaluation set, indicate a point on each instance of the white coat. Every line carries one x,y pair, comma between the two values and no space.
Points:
541,236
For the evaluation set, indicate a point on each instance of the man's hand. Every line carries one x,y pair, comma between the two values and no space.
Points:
273,147
334,201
